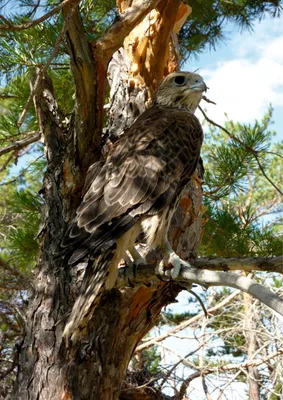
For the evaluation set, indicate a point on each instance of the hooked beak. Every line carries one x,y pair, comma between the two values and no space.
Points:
199,87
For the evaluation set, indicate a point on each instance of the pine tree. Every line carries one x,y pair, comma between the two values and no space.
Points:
54,62
239,340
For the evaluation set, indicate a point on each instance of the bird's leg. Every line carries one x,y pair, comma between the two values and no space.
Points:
137,258
133,259
128,260
170,258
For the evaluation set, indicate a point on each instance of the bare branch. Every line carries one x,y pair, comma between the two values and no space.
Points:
247,148
247,285
267,264
14,271
13,180
8,96
230,381
224,368
14,363
182,360
266,177
185,324
10,27
43,71
275,154
207,278
30,138
7,162
207,100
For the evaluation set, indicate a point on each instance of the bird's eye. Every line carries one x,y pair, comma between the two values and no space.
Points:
180,80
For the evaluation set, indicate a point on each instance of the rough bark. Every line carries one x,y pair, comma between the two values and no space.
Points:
93,368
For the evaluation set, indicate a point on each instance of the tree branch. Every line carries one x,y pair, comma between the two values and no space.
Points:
7,162
89,86
20,174
14,363
145,275
227,367
264,264
42,72
187,323
14,271
10,27
30,138
113,39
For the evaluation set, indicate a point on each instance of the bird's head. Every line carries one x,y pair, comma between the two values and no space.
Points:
181,90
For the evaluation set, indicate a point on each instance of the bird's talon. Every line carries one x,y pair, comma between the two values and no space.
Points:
135,266
130,283
160,271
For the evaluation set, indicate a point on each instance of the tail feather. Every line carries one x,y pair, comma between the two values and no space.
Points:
92,288
100,240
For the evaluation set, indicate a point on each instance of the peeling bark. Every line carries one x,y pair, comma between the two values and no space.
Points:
95,366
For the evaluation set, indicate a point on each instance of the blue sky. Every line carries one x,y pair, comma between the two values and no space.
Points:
245,74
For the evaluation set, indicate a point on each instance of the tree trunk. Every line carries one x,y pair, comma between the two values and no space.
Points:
250,323
95,366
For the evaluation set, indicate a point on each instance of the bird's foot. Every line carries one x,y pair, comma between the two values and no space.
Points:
176,262
160,271
134,261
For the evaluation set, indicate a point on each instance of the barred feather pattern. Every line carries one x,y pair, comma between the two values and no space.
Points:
92,289
136,187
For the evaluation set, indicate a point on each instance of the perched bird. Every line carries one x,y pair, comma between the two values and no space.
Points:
136,189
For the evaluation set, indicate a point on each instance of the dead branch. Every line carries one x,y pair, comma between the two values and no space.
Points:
42,72
248,264
29,138
8,26
15,271
7,162
208,101
187,323
228,367
13,180
207,278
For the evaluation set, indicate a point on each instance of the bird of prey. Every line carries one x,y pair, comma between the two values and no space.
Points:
136,189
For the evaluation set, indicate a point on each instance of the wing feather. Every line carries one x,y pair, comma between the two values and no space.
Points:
141,174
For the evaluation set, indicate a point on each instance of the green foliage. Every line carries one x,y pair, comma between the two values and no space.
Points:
16,93
238,195
171,319
98,16
205,24
151,360
145,369
22,244
29,48
277,389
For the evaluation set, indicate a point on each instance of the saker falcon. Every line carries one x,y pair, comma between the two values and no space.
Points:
136,189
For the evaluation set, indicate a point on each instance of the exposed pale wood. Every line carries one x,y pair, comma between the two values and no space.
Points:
130,17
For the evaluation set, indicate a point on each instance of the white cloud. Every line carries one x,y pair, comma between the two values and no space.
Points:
274,50
244,87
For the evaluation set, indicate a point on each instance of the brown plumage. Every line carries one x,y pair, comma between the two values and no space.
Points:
136,188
